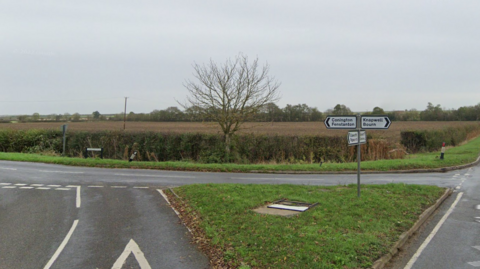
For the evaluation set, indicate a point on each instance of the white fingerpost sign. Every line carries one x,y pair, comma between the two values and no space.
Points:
359,136
341,122
375,122
353,138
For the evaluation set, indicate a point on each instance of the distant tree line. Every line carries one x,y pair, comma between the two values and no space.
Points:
270,113
304,113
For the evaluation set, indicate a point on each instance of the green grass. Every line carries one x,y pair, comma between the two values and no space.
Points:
464,154
343,231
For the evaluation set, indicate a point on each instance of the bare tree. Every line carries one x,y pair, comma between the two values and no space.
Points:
231,93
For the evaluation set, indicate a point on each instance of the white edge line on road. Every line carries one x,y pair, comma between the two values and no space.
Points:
161,176
79,201
43,188
141,187
62,246
9,187
61,172
118,187
5,184
432,234
268,178
26,188
94,186
176,212
62,189
6,168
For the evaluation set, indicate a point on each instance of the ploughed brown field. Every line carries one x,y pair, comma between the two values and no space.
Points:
282,128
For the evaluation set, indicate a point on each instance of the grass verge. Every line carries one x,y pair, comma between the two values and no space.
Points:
343,231
463,154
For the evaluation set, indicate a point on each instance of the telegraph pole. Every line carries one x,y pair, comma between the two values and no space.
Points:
125,114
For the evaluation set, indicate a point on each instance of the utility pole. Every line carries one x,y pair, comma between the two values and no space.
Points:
125,114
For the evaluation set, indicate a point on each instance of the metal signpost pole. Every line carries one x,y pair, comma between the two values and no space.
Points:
359,124
64,129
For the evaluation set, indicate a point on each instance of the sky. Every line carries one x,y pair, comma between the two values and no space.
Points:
61,57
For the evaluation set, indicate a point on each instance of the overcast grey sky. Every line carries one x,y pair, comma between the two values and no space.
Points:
82,56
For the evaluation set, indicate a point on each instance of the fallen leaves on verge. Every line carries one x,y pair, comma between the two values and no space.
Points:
192,221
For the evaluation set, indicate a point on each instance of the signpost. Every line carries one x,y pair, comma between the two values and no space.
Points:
359,123
64,129
353,138
341,122
375,122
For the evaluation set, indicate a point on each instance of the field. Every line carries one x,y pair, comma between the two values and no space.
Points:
285,128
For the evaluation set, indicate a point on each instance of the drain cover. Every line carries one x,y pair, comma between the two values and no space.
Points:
291,205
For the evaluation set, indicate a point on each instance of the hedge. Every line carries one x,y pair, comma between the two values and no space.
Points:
207,148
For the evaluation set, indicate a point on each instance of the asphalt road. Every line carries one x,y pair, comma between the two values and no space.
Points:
455,236
54,216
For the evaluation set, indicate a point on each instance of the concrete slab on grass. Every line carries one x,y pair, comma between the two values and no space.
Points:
273,211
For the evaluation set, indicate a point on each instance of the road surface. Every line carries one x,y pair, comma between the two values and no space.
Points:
54,216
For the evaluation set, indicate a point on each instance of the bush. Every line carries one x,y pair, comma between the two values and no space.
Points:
207,148
432,140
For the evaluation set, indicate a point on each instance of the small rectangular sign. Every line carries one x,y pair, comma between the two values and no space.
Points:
353,138
375,122
341,122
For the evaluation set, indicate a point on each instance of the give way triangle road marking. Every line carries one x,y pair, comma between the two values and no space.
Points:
477,263
132,247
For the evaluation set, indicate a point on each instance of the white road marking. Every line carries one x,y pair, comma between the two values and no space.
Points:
36,185
118,187
458,187
54,186
5,184
477,207
176,212
267,178
161,176
61,172
79,201
62,189
132,247
477,218
95,186
432,234
43,188
7,168
21,184
456,175
9,187
28,188
140,187
475,264
62,246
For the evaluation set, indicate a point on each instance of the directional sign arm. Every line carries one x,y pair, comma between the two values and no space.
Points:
341,122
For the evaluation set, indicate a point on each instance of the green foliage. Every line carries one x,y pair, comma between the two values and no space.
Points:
460,155
432,140
205,148
343,231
